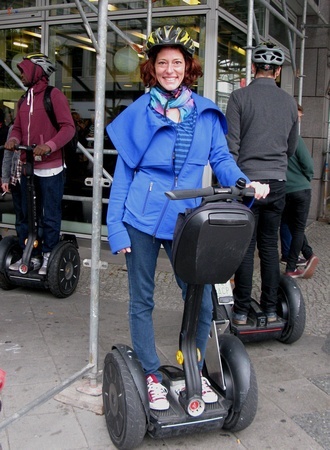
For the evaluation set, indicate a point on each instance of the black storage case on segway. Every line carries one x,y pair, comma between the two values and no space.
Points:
223,232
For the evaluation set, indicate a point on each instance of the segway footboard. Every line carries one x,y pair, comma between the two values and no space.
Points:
175,421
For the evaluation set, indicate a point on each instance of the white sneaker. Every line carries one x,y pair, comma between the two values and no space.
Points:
157,394
208,394
35,262
43,268
16,265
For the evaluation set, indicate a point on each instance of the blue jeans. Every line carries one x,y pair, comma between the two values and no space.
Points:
141,267
49,193
267,213
295,216
285,236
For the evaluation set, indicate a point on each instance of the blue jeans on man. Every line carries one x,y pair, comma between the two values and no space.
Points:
49,193
141,267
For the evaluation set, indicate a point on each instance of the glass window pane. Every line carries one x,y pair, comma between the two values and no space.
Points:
239,9
277,29
231,72
15,43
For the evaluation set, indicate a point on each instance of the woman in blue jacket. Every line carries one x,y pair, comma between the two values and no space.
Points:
164,141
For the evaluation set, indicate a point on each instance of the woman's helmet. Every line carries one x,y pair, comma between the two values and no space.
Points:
266,55
170,35
43,61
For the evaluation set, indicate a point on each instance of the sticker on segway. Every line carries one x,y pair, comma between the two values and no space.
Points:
224,290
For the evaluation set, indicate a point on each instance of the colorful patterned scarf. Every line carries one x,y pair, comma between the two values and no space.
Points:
180,98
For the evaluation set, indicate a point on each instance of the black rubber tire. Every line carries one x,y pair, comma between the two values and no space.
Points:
124,413
10,251
291,307
238,420
63,270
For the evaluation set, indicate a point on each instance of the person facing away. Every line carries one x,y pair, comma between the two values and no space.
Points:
297,203
262,134
164,140
33,126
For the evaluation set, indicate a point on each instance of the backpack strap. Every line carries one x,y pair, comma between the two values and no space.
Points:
50,111
49,107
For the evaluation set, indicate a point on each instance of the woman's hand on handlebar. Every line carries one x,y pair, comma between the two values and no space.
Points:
260,190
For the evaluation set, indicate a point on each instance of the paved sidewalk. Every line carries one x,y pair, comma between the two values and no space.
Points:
44,341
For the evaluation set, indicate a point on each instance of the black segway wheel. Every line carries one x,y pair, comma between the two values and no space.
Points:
123,409
291,307
10,251
63,270
240,380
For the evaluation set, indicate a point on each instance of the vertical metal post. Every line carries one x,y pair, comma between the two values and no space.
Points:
249,41
97,185
149,17
302,53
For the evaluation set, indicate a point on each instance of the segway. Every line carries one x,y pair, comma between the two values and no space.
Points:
291,314
64,262
209,244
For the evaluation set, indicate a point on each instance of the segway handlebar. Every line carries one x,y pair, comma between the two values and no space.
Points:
214,192
26,148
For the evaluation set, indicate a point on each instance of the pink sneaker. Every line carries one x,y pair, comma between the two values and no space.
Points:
297,273
310,266
157,394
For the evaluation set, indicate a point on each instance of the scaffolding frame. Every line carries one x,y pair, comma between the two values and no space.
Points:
98,172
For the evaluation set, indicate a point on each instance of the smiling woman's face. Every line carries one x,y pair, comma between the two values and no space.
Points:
170,68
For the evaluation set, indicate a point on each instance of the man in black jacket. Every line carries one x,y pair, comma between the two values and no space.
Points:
262,134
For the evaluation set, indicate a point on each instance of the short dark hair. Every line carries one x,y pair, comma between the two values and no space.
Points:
193,68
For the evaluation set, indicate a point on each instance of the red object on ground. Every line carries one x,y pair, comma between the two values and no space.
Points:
2,379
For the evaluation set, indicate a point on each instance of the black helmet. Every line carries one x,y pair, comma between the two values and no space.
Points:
43,61
170,35
266,55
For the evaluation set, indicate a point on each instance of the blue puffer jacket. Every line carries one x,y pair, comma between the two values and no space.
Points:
144,170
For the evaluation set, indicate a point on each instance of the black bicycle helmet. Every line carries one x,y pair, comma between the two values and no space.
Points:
170,35
43,61
265,55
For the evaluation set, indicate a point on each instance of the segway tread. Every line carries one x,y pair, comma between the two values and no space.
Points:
124,413
63,270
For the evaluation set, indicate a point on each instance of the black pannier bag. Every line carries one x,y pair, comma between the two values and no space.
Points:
210,242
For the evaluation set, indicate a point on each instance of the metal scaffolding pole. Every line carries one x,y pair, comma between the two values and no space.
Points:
97,185
249,37
302,53
293,56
